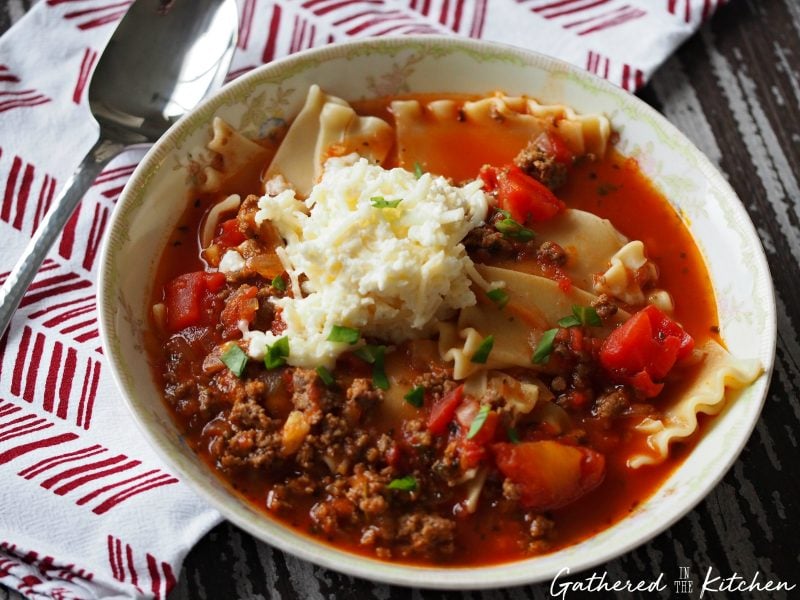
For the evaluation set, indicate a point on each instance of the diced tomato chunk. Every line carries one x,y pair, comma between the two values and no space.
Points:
645,384
465,415
528,200
393,455
471,454
229,234
644,349
549,474
488,175
576,339
240,306
186,296
554,144
443,410
214,281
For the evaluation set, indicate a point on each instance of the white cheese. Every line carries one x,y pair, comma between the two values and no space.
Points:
231,262
389,272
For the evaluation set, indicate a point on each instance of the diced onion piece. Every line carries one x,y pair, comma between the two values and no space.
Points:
520,397
294,432
474,489
211,255
160,316
662,300
268,265
553,415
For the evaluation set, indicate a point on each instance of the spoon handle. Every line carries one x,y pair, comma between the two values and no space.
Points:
52,225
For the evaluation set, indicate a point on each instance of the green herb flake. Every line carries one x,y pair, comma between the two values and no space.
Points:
374,356
325,376
513,435
416,397
366,353
499,296
406,484
379,378
587,315
235,359
581,315
278,283
381,202
570,321
276,354
344,335
482,353
512,229
478,421
545,346
418,172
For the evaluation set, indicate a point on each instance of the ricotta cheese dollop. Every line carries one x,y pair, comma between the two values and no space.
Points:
370,249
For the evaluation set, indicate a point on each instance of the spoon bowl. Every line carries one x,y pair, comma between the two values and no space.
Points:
160,63
162,60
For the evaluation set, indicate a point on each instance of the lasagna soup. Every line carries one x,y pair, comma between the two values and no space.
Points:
437,329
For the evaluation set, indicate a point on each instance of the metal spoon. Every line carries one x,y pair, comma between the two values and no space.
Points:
163,58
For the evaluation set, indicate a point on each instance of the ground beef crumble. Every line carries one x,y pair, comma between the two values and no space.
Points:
541,165
426,535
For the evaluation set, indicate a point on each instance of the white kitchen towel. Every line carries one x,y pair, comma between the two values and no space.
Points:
87,510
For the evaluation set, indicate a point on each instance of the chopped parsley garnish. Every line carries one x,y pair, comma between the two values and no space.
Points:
512,434
545,346
581,315
512,229
235,359
366,353
570,321
379,379
278,283
499,296
588,315
407,484
478,421
276,354
374,356
381,202
416,397
344,335
325,376
482,353
418,170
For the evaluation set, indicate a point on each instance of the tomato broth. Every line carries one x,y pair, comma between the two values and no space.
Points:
612,187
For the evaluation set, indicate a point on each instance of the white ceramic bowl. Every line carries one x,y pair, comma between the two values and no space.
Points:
151,204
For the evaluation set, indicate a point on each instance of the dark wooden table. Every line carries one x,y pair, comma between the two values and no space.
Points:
734,89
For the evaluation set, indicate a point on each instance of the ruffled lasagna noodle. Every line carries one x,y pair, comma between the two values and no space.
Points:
235,152
519,117
719,373
327,126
